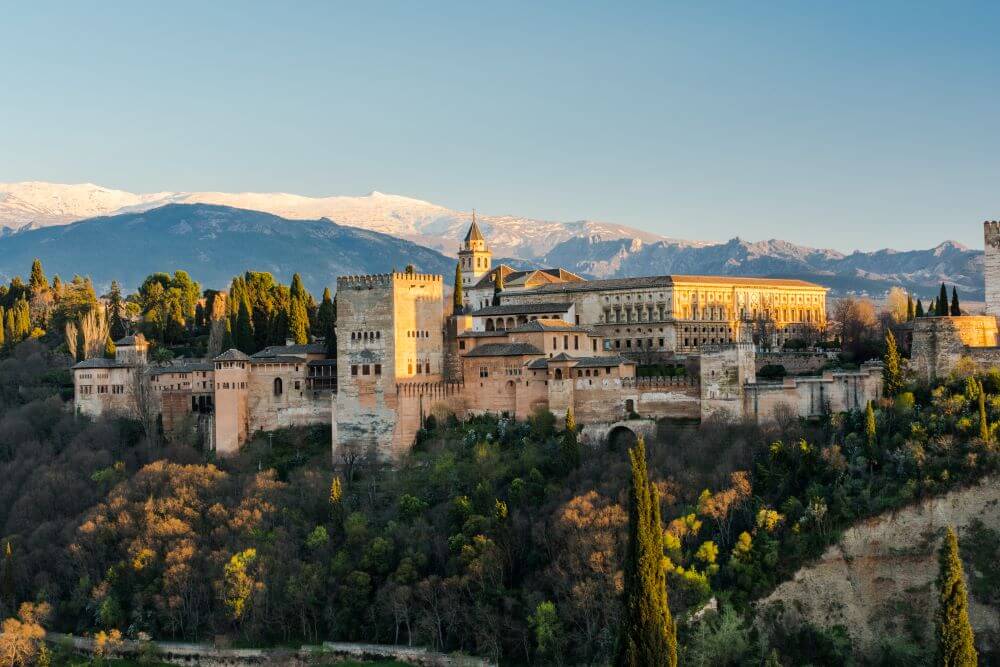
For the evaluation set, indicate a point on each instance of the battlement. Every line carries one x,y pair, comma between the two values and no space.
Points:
991,228
384,280
430,389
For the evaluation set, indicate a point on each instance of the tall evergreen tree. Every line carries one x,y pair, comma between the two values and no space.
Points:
942,302
956,309
984,424
892,371
8,576
3,330
116,312
457,297
920,309
871,428
932,311
38,283
570,447
910,314
647,634
955,642
298,313
326,321
243,338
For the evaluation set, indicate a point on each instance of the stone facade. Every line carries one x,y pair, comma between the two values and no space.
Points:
991,269
941,345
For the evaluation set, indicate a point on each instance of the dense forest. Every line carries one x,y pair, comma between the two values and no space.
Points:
493,537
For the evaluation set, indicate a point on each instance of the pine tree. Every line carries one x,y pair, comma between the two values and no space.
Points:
910,314
458,297
942,302
647,634
892,372
984,424
920,309
109,348
37,282
871,429
116,312
956,309
955,642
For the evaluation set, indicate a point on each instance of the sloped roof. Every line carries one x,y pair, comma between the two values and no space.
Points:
504,350
671,280
514,278
548,325
278,350
125,342
100,362
474,234
232,354
523,309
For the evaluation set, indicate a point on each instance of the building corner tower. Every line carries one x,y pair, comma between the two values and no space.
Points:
991,265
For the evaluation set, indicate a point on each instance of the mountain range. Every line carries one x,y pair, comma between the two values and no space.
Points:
596,249
213,244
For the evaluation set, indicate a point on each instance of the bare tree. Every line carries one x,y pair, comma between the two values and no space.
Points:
143,402
91,331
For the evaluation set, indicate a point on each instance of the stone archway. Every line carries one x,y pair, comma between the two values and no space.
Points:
621,438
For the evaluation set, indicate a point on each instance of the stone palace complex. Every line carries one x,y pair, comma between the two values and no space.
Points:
519,341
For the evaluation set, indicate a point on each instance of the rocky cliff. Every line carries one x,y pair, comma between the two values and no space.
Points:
878,581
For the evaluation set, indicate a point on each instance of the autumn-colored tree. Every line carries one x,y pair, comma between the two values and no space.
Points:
21,637
892,371
955,642
647,634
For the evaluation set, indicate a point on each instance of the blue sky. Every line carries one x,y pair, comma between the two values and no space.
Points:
828,124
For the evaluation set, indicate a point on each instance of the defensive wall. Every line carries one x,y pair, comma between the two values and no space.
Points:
942,345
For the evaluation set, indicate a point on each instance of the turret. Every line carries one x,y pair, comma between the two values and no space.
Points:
474,257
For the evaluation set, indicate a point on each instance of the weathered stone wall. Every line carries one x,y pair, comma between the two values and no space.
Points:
940,343
991,270
795,363
89,399
813,396
724,373
293,404
232,418
881,573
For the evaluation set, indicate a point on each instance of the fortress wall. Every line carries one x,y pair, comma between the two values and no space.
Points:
940,343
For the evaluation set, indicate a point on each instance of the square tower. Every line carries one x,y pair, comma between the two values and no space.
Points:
389,331
991,269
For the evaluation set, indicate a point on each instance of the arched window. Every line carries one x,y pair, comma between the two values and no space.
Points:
559,374
277,387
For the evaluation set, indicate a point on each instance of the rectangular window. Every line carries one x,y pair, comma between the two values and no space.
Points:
427,368
576,342
354,369
484,372
297,385
461,344
565,342
628,343
593,345
378,369
366,369
419,367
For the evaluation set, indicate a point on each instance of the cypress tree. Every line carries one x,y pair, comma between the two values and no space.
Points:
298,315
932,311
984,424
942,302
910,314
892,373
955,643
326,322
871,430
3,329
920,309
570,444
457,297
8,575
647,634
242,332
956,309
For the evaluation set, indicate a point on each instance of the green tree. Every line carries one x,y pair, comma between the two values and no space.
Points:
116,312
892,371
942,302
8,575
243,337
570,446
109,348
871,429
326,322
984,424
545,622
3,329
955,643
956,309
647,634
457,297
298,315
932,311
920,309
37,283
910,314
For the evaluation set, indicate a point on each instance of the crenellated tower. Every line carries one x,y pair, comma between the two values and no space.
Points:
991,270
474,257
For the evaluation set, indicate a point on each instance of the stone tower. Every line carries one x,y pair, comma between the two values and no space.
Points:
991,270
475,258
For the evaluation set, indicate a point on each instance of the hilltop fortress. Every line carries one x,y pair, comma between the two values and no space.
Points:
516,342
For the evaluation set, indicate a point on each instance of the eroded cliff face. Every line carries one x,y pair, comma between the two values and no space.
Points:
878,581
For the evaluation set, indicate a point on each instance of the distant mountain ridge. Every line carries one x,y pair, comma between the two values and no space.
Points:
595,249
213,244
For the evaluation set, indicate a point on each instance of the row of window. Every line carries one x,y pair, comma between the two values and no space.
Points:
366,335
88,389
418,334
366,369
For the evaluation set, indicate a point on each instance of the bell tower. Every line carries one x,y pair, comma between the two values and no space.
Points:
474,257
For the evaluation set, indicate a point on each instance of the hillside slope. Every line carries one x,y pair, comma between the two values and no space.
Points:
879,578
212,243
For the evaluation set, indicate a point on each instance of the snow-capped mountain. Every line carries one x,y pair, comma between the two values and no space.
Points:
34,205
